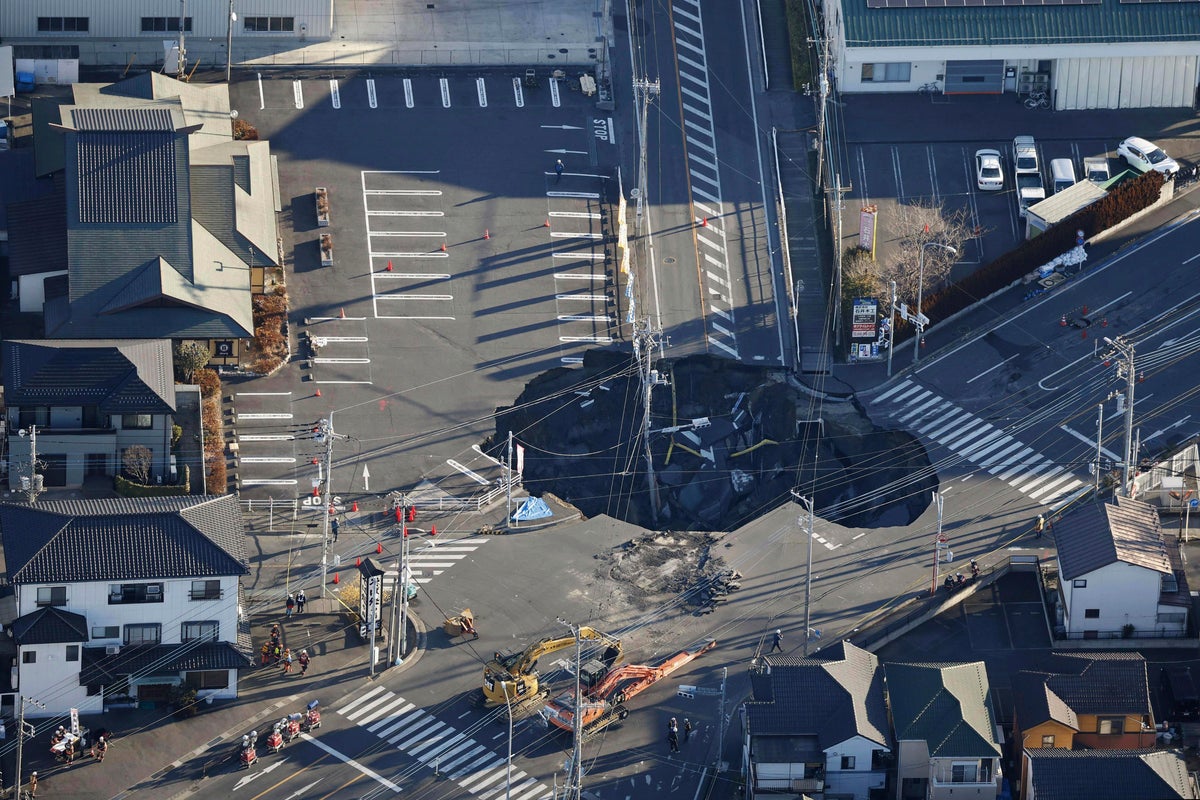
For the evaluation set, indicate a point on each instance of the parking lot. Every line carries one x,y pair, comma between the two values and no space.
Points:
908,148
463,265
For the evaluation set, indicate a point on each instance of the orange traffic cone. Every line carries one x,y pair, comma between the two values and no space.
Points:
1085,310
379,548
316,493
546,224
342,313
1063,321
1083,334
487,234
318,392
443,247
389,266
354,506
335,578
433,530
704,222
358,561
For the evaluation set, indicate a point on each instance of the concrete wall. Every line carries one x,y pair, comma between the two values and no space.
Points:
32,289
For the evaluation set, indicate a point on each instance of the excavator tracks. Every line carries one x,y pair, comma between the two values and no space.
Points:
612,716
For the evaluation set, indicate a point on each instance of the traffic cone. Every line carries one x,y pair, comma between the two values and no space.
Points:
315,492
335,578
922,341
1063,321
399,515
314,461
433,530
546,224
342,313
1104,322
332,510
1083,334
487,234
354,506
704,222
1085,310
443,247
379,548
318,392
358,561
389,266
404,531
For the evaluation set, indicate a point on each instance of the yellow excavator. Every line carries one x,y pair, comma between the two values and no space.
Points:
511,679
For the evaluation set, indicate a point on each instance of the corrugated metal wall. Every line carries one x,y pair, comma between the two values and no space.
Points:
121,19
1135,82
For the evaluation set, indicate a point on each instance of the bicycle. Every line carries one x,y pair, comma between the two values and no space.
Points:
1037,99
932,88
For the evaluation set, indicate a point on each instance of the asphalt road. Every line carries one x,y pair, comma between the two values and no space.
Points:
463,266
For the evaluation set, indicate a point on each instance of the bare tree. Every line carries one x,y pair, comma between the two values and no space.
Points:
911,226
190,357
137,460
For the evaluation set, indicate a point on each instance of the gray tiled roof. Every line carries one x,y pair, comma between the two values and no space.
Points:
945,705
126,174
836,695
1100,534
1101,683
118,376
99,667
73,541
1058,774
1036,703
37,235
49,625
1108,21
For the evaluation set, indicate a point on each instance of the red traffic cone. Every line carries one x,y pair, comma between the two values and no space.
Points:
379,548
443,247
332,510
412,513
404,531
316,493
399,515
1063,321
487,234
704,222
1085,310
354,506
433,530
389,266
1104,322
358,561
317,393
314,461
335,578
1107,362
546,224
342,313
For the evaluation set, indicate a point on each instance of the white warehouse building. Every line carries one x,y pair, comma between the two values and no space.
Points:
132,32
1086,53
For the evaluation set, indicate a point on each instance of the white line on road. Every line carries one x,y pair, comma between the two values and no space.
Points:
995,366
266,482
408,93
267,460
469,473
555,98
1193,258
335,319
575,214
264,416
410,316
264,394
589,339
357,383
372,97
518,94
591,277
298,94
1089,442
351,762
341,361
445,83
335,93
414,297
266,437
413,276
262,103
323,340
481,90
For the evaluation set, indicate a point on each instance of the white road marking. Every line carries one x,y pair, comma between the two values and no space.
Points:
415,297
372,97
414,276
445,84
1089,442
262,102
258,415
408,92
298,94
469,473
263,394
575,214
481,90
404,192
266,460
591,277
335,93
555,98
406,213
589,339
266,437
341,361
351,762
518,94
324,340
265,482
995,366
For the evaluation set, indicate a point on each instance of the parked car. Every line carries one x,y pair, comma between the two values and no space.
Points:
1180,696
988,174
1062,175
1025,157
1096,169
1146,156
1030,191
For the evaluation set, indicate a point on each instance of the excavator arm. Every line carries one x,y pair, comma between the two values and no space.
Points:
524,662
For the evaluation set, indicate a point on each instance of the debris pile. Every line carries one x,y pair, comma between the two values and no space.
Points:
664,568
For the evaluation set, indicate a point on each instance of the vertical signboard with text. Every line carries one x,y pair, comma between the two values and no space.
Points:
864,331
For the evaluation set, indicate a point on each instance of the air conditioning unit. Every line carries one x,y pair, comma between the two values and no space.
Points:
112,649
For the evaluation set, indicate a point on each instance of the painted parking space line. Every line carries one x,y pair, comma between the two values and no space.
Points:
298,94
413,276
481,91
263,394
267,460
468,472
445,85
341,361
518,93
263,415
408,93
335,93
372,96
555,97
267,482
266,437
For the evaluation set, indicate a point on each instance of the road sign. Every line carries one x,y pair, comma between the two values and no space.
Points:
921,320
1194,503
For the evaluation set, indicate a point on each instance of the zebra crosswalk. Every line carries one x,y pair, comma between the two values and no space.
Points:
996,452
432,560
435,744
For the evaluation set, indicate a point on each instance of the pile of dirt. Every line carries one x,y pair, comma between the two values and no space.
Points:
663,568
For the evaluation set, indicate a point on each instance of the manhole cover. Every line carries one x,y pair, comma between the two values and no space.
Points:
669,260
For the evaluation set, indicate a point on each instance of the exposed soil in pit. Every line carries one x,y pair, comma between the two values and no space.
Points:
660,569
729,443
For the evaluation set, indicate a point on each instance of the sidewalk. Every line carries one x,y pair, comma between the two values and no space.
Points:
151,750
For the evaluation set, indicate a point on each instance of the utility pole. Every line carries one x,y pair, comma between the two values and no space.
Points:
1099,441
229,42
891,329
721,710
808,503
1126,370
508,482
21,734
181,65
404,572
645,340
939,546
575,780
646,89
32,484
324,434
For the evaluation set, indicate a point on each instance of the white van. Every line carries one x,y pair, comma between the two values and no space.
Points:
1062,174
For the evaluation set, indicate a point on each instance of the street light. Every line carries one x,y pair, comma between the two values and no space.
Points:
920,294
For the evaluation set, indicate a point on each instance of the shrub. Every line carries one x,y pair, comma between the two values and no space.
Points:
209,382
127,488
185,701
244,130
190,357
270,345
216,481
137,460
176,435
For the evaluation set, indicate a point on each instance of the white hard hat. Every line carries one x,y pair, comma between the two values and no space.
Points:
779,632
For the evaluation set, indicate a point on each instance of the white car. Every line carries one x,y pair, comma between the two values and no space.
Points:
988,175
1025,156
1146,156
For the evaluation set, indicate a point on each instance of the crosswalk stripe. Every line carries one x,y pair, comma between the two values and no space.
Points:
890,392
461,744
1026,458
413,733
431,742
909,390
475,771
415,723
922,403
536,791
496,790
999,460
953,419
986,443
361,699
466,758
517,791
495,776
381,711
1004,440
389,718
1062,479
1032,475
385,729
406,744
970,434
931,413
371,705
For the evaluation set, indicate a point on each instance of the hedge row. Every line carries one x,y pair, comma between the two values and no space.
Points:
128,488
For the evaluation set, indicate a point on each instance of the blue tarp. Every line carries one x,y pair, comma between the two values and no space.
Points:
532,508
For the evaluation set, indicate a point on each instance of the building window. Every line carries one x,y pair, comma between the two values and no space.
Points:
847,762
1079,583
72,652
1111,725
146,633
29,656
1091,613
137,422
964,772
200,631
62,24
207,679
121,593
1048,741
157,24
106,632
52,596
206,590
269,24
893,72
37,415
